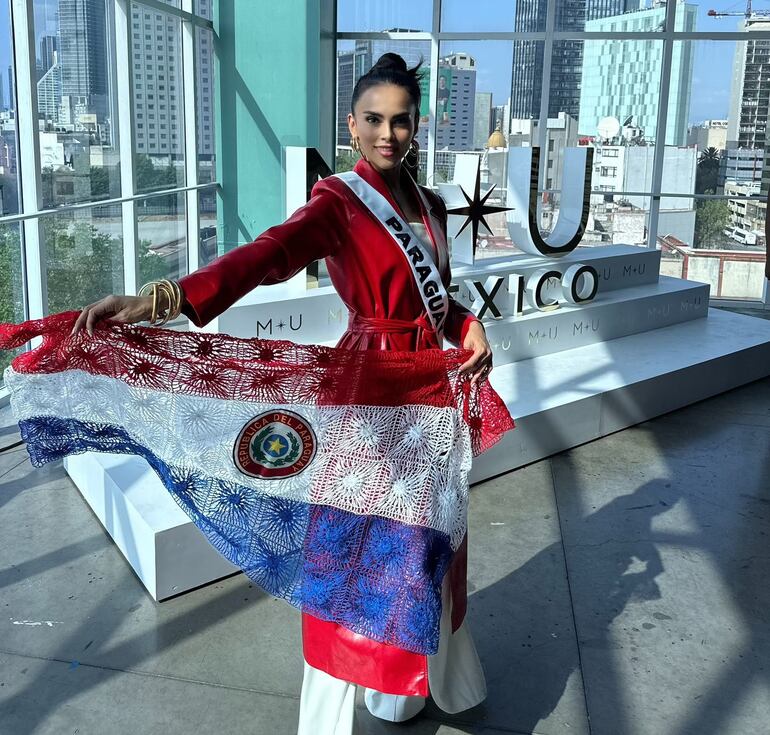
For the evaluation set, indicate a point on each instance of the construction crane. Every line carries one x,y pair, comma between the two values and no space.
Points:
746,14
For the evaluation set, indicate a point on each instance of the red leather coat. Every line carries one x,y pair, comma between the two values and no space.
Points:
386,312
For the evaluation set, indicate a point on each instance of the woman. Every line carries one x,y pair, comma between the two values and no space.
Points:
357,222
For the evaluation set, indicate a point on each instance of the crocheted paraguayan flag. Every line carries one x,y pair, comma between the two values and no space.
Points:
336,479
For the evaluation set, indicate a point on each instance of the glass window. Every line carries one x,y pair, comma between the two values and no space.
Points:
727,102
84,256
162,244
207,244
12,304
728,18
75,95
492,15
373,16
204,82
615,218
618,100
716,241
474,89
158,165
526,91
474,112
9,176
204,8
619,16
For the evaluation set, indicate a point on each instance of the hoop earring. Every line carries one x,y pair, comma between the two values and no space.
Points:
355,145
412,157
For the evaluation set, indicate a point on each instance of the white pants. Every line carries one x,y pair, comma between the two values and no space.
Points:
455,678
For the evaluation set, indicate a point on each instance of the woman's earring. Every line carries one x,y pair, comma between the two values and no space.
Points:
355,144
412,157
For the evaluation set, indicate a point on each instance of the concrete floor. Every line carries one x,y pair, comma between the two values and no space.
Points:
619,588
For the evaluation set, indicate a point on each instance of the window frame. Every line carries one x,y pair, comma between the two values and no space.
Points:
121,35
549,36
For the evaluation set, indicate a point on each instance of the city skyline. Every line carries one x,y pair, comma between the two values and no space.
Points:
712,59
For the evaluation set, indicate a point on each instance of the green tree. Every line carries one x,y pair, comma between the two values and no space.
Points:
150,177
100,182
151,265
9,193
344,162
711,218
82,266
11,295
707,174
11,287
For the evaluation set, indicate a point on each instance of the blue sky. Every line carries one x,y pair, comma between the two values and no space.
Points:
711,72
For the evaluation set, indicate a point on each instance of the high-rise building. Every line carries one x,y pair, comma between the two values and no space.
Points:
750,91
765,176
157,67
741,165
604,8
527,74
621,79
456,102
204,79
82,54
501,118
482,119
49,92
351,66
158,85
2,95
47,50
11,93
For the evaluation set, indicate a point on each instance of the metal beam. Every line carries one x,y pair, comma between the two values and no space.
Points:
190,101
660,128
28,158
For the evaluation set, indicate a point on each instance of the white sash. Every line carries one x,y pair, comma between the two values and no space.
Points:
420,259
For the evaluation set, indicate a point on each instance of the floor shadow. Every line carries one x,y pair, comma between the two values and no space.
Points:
527,680
130,654
744,571
525,659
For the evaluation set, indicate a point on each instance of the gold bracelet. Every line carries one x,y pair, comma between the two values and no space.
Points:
172,292
141,292
179,299
175,300
174,297
164,288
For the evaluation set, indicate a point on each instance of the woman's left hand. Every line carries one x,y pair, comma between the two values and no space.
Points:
480,364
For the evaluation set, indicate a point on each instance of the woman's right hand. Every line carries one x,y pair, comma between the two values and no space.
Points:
129,309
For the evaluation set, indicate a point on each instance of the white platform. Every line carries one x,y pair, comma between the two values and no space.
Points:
616,314
559,401
165,549
566,399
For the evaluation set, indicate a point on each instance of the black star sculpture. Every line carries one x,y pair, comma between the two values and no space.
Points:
476,209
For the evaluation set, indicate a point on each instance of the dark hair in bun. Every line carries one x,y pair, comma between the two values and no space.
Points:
390,69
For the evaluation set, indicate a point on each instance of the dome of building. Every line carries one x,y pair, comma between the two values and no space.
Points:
497,139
